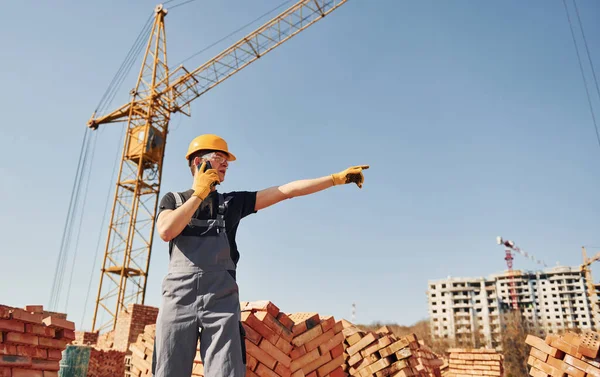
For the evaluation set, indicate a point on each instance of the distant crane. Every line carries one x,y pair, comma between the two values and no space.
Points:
510,246
591,287
158,94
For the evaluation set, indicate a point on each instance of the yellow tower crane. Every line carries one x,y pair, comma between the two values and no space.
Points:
158,94
592,289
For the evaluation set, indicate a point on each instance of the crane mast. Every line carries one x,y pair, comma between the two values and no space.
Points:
157,94
591,288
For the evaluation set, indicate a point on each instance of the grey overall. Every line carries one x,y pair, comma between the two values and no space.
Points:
200,301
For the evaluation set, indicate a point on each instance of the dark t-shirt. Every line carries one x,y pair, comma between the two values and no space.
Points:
240,205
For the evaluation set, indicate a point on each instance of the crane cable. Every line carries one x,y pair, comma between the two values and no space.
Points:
68,227
581,65
83,167
100,232
131,57
233,32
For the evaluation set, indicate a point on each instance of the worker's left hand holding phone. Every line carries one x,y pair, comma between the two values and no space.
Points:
205,179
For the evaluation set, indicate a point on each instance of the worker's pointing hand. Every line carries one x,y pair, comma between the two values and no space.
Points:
351,175
204,180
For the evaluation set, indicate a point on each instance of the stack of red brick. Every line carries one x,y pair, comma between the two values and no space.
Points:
141,352
106,363
465,362
576,355
32,341
141,355
107,355
280,344
381,353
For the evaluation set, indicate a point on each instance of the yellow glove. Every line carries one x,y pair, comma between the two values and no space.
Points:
204,181
351,175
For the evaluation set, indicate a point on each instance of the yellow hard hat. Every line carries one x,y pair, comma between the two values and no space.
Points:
209,142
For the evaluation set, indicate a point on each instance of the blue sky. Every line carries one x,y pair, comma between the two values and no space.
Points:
472,116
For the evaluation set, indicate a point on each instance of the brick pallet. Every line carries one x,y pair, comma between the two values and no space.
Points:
474,362
571,354
381,353
32,341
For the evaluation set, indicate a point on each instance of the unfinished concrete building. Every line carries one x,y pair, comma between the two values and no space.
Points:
468,311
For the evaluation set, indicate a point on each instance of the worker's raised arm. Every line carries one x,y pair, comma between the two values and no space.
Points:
171,222
275,194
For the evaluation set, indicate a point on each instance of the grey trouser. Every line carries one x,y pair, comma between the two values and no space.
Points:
200,301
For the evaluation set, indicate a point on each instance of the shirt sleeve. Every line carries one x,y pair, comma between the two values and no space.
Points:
247,202
167,202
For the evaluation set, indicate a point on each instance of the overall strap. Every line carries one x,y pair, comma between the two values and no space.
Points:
178,199
218,223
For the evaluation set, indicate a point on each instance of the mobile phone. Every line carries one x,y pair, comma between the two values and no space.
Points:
208,166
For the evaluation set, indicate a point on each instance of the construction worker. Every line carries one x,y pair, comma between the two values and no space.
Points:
199,293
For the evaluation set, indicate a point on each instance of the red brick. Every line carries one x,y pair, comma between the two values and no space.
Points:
275,352
321,339
17,372
21,338
297,352
40,330
35,308
339,327
49,373
307,336
304,360
251,334
8,325
45,364
24,316
260,355
4,312
299,328
285,320
338,372
8,349
275,325
15,361
330,366
337,350
59,323
304,321
65,334
327,323
39,353
250,319
266,306
251,362
54,354
5,372
52,343
282,370
284,345
263,371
